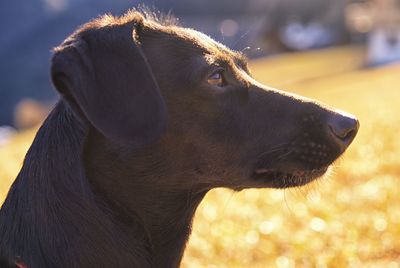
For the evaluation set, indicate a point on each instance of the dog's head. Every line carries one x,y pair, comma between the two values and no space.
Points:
125,76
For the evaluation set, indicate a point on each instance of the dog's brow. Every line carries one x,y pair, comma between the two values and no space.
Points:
210,59
242,58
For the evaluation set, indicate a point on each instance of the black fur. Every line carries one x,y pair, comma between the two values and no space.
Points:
109,181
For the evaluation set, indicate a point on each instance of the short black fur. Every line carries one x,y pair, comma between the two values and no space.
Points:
140,135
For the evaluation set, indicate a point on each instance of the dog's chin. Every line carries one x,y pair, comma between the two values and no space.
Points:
279,178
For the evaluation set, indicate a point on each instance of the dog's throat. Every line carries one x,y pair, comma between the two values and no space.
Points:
165,213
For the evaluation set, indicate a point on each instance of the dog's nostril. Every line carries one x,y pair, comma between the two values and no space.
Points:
344,133
344,127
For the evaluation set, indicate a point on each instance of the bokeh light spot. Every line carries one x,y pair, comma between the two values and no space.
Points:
229,28
317,224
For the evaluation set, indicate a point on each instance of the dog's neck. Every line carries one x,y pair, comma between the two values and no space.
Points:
147,184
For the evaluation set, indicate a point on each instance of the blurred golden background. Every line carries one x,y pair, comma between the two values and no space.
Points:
350,218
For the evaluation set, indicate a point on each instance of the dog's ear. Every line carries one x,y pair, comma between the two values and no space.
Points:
106,79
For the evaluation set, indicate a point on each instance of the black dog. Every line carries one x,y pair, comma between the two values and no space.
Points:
151,117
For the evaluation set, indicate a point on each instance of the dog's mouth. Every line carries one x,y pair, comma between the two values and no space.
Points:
278,178
297,165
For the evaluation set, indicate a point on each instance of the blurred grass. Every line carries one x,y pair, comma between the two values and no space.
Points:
350,219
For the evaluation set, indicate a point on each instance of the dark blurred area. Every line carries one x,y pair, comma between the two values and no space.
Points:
30,28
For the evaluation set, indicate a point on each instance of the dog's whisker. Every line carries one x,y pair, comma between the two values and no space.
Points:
283,155
241,37
277,148
286,202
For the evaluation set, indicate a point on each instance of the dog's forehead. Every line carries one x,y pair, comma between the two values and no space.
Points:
206,44
203,40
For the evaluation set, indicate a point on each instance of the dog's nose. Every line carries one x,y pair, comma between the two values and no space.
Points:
344,128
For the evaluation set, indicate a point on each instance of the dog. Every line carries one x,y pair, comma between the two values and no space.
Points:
151,117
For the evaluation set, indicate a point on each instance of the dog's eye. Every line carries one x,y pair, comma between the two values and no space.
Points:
216,79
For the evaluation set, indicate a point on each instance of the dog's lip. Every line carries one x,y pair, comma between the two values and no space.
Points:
289,178
269,170
262,171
